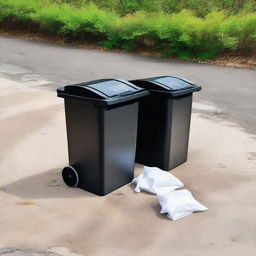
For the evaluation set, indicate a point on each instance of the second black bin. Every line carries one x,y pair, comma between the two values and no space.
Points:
101,119
164,121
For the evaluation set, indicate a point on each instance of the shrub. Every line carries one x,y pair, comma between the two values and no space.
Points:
19,9
66,19
182,34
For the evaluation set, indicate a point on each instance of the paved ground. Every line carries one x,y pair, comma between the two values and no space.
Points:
39,212
231,89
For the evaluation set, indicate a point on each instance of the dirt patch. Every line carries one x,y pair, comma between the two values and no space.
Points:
234,61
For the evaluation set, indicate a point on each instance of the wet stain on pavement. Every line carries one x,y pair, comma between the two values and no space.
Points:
27,203
252,156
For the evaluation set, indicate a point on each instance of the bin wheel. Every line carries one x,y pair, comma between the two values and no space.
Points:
70,176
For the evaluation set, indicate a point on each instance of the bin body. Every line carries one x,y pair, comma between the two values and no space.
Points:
102,141
164,122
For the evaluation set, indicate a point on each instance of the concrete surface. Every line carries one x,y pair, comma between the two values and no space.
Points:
231,89
38,211
39,215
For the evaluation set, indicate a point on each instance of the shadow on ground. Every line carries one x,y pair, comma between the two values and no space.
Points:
48,184
54,251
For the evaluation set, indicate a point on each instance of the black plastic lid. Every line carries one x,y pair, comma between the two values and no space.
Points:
171,85
103,92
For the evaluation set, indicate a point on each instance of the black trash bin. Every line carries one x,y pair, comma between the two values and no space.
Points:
101,119
164,121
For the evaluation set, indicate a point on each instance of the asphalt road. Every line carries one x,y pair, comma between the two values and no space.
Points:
232,90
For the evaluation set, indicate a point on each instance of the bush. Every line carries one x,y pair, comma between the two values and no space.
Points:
19,9
200,7
66,19
180,34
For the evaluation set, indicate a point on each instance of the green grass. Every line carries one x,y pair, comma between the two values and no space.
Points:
182,34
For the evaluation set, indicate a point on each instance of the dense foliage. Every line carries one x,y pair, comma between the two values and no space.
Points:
199,7
181,34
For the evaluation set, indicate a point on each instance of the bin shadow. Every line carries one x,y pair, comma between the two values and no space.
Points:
154,206
44,185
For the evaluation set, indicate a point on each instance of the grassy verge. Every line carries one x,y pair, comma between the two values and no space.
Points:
182,35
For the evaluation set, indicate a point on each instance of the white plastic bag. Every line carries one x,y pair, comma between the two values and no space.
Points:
179,204
156,181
